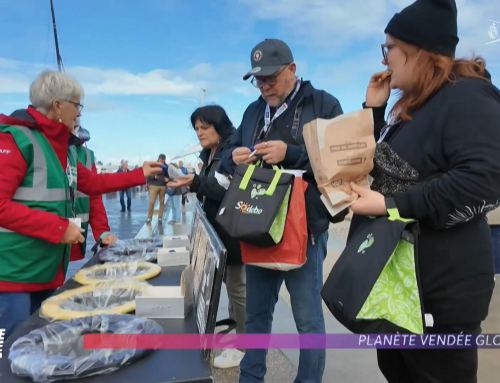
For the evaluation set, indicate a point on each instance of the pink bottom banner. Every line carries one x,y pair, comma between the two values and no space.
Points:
289,341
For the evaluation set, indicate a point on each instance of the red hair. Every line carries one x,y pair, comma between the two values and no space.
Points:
432,71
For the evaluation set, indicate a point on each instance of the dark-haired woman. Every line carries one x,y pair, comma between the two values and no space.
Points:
439,161
213,127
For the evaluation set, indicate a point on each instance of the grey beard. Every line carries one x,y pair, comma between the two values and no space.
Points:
285,96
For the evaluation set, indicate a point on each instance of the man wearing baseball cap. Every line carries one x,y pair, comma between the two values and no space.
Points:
272,125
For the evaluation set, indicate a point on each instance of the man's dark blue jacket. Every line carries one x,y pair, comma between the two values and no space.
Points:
313,104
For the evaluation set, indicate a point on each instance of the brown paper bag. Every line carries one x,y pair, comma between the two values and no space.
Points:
341,151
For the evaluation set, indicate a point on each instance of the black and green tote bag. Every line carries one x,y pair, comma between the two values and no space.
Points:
255,206
374,287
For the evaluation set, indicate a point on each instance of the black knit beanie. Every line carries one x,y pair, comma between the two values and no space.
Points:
428,24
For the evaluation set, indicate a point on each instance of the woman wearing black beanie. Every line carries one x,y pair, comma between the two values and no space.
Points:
445,129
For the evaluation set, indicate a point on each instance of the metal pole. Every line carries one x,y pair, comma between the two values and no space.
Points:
58,54
202,96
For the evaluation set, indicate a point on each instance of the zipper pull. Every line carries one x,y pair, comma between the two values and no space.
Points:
312,240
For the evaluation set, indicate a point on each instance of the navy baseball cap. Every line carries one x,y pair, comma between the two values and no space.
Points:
268,57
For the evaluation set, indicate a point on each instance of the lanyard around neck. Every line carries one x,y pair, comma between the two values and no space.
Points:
267,115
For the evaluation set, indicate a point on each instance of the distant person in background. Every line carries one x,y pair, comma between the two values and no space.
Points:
156,185
182,168
128,192
184,191
174,197
90,209
213,128
200,166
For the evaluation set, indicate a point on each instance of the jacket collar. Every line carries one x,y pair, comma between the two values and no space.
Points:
205,153
33,119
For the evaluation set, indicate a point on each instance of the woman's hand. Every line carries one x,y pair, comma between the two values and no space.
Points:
150,167
182,181
378,92
109,239
369,202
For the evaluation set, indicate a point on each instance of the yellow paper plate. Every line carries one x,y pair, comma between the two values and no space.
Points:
87,276
52,307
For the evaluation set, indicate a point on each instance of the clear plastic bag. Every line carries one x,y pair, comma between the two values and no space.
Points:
130,250
111,297
117,270
57,352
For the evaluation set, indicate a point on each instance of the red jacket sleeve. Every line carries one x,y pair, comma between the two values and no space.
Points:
98,218
18,217
93,183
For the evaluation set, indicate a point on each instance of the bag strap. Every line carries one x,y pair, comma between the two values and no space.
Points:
296,121
246,177
290,135
393,211
272,188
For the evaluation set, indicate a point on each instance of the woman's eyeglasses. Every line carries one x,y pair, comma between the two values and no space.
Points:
77,105
386,48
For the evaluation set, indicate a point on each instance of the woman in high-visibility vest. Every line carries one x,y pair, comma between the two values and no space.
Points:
39,177
90,209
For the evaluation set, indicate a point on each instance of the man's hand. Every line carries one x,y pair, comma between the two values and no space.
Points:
150,167
73,235
183,181
240,156
273,151
109,239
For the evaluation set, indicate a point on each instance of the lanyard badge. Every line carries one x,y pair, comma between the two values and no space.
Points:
71,182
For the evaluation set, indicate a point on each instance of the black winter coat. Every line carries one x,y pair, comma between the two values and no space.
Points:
211,194
452,148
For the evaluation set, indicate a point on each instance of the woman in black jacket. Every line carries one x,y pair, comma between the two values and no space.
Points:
439,161
213,128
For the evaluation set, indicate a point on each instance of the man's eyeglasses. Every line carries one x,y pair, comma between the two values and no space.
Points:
77,105
269,80
386,48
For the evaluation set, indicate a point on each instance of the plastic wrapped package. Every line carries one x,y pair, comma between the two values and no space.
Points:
119,270
111,297
56,351
130,250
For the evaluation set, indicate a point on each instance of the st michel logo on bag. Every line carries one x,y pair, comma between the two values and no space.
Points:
367,243
257,191
246,208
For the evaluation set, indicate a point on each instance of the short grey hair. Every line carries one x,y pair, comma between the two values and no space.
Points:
52,85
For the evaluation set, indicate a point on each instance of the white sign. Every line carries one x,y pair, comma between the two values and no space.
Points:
2,338
493,32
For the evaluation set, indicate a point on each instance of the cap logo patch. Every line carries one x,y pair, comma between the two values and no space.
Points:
257,56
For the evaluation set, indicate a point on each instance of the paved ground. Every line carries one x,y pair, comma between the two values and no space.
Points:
349,366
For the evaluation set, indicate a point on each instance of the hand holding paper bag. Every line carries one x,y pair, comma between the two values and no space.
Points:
341,151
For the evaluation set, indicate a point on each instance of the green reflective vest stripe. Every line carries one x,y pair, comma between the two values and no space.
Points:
45,187
82,201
